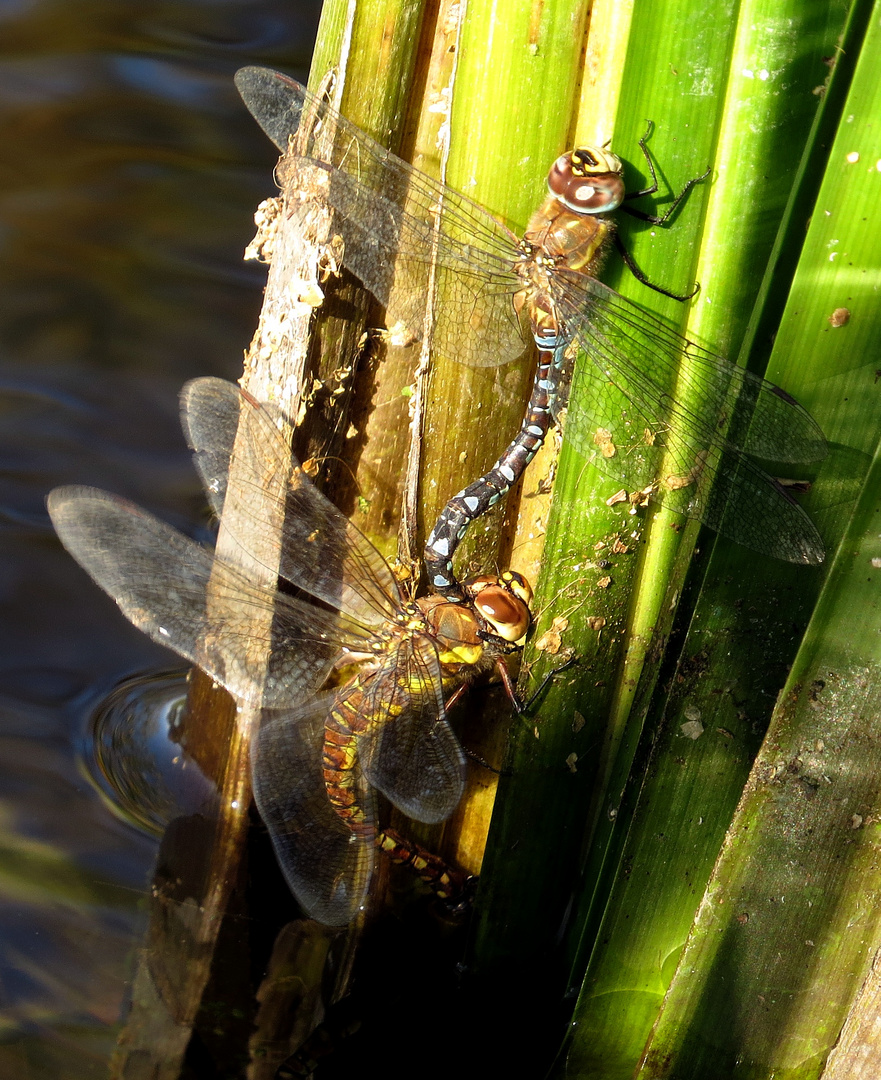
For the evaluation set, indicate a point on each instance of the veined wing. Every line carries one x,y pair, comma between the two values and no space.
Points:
649,360
322,552
160,580
655,442
392,210
327,866
410,752
397,223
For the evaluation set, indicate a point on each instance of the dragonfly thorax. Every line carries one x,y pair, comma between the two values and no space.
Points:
495,609
565,239
409,620
454,629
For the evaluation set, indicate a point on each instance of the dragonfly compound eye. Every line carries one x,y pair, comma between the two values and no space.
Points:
450,622
506,612
587,180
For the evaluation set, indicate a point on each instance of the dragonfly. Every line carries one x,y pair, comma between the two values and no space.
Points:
406,237
354,676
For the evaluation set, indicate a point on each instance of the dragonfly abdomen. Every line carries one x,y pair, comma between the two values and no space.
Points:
340,763
485,492
448,883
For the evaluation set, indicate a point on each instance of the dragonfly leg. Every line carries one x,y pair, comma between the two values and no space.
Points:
652,190
547,679
522,707
643,279
653,219
478,759
456,696
510,688
654,187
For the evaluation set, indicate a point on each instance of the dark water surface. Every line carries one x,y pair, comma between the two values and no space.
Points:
129,172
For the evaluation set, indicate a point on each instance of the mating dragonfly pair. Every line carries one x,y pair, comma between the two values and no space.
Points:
315,764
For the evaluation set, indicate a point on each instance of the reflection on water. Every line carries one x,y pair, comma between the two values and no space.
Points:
135,754
129,172
73,877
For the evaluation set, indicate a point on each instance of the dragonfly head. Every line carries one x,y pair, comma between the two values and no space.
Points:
587,180
503,602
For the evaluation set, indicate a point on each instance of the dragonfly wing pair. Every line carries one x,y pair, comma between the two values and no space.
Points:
321,552
692,450
184,597
690,412
416,761
160,579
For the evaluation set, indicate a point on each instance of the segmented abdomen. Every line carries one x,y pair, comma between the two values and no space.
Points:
484,493
346,724
450,884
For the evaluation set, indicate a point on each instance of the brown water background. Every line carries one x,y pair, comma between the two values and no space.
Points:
129,172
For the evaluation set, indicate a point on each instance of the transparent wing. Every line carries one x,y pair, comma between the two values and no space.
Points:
327,866
396,223
160,580
646,358
322,552
410,752
655,442
387,210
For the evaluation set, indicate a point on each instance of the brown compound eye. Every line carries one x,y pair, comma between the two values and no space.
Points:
450,622
506,614
587,180
504,603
